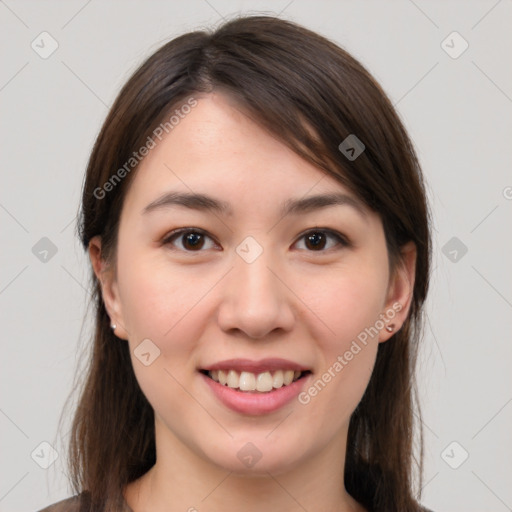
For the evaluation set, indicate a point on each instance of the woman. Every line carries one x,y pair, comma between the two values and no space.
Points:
256,221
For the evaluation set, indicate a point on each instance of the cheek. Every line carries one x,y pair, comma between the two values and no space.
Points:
150,301
347,307
155,296
167,305
161,305
346,304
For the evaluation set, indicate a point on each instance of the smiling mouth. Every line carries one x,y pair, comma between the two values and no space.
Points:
249,382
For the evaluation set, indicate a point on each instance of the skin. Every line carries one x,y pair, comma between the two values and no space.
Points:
206,305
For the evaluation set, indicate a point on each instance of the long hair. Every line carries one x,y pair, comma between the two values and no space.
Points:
310,94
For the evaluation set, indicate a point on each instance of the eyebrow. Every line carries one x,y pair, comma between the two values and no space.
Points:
203,202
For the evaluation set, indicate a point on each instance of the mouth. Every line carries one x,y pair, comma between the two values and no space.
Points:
253,387
255,382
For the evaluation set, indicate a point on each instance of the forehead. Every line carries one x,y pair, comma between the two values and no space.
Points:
217,149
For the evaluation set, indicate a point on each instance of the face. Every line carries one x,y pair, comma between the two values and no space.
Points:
256,284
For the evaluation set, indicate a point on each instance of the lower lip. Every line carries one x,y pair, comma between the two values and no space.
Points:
255,403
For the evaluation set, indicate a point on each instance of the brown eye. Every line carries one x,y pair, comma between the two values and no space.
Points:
320,240
193,241
315,241
190,240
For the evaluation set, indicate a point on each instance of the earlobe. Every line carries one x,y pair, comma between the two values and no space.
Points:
108,285
400,292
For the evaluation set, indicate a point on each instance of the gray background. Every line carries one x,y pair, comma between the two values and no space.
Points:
458,112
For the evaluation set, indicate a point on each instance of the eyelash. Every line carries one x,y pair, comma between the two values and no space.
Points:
340,239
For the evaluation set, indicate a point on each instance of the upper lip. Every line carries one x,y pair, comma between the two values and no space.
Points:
260,366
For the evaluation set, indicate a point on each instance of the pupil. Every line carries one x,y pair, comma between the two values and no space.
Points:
317,240
194,240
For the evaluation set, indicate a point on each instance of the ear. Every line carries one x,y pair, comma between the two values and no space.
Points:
109,289
400,291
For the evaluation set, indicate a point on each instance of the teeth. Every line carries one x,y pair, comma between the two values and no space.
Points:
288,377
222,377
278,379
233,379
264,382
247,381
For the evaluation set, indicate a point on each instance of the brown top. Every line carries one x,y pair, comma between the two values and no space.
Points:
73,505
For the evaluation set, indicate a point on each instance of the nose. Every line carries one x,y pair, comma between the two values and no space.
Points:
255,299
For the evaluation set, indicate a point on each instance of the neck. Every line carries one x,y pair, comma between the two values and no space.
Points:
183,481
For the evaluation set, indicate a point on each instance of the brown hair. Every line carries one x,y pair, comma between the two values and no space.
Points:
310,94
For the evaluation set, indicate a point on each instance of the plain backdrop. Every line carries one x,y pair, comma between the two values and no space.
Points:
456,103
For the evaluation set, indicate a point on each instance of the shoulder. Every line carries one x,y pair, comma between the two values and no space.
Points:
75,504
67,505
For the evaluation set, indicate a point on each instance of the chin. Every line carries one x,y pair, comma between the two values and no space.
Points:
256,457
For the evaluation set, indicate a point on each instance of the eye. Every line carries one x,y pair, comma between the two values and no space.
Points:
322,239
189,239
194,240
